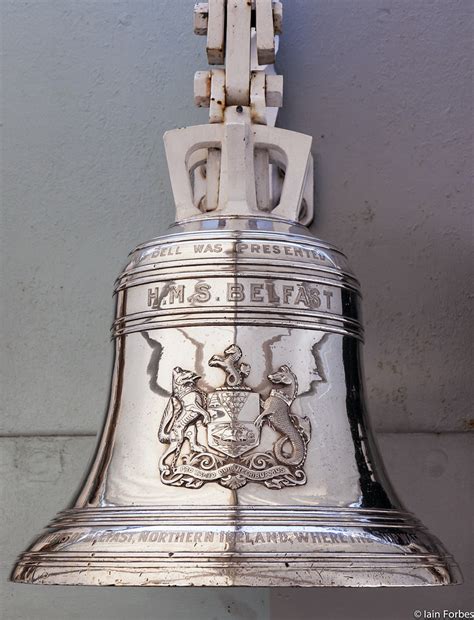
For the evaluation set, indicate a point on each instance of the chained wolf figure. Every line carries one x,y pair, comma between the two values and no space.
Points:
185,408
294,431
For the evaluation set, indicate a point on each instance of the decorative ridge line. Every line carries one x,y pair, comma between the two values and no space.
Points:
284,322
281,268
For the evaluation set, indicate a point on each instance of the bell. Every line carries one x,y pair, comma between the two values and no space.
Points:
237,449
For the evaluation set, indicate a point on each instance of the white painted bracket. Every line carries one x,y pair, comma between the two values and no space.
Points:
230,42
265,32
237,141
216,32
239,163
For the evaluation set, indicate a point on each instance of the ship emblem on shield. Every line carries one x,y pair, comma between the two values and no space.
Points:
214,436
232,429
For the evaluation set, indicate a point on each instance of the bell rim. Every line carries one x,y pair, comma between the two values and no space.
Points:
48,561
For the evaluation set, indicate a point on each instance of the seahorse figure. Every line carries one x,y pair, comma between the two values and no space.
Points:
277,412
235,375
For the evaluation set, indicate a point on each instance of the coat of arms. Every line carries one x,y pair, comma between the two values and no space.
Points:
215,437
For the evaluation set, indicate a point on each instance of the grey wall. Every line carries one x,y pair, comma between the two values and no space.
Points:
88,88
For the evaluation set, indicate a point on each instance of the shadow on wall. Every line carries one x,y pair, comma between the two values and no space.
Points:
390,111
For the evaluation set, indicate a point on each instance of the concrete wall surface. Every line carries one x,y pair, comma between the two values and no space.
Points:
88,87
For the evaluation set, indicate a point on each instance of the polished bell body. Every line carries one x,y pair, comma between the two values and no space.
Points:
236,448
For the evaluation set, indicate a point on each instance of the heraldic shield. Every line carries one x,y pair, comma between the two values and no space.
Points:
232,416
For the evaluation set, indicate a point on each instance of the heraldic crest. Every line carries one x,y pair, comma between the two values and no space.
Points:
215,436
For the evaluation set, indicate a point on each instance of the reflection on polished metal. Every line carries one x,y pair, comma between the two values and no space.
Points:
236,449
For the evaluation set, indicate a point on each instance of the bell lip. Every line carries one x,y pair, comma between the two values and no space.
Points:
422,562
313,577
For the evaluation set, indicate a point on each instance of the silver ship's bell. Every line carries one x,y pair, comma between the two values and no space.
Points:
236,449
